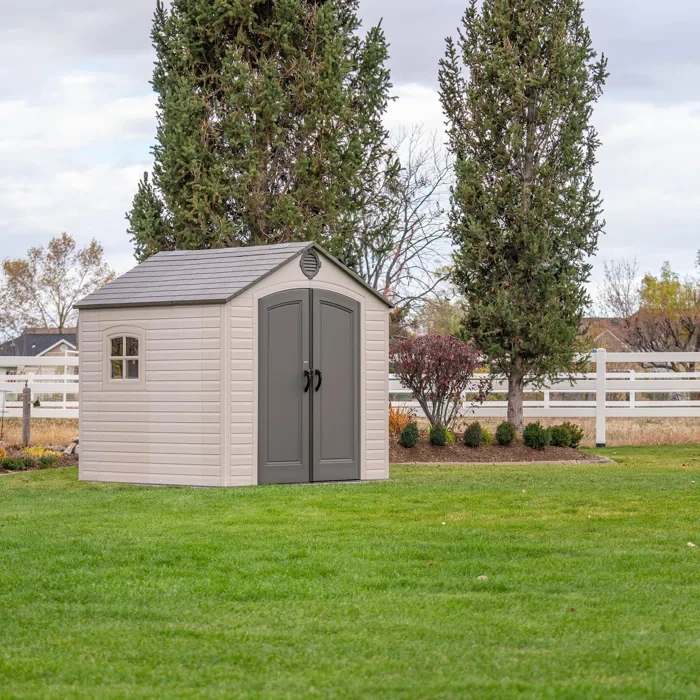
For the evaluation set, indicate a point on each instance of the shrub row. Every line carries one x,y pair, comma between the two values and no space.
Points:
474,435
564,435
535,435
17,464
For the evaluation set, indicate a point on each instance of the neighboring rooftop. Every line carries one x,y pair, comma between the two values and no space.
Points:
200,276
608,333
37,341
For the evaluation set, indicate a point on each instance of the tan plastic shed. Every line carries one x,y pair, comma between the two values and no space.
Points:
235,367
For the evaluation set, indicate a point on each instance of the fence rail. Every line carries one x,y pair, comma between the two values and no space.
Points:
55,390
643,392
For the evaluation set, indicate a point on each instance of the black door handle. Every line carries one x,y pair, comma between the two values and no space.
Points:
308,374
320,379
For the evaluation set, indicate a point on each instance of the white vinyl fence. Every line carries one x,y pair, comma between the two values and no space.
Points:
650,391
53,381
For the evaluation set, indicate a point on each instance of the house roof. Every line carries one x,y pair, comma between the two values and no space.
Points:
33,343
213,276
608,333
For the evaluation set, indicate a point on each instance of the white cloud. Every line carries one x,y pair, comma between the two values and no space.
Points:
81,110
650,181
87,203
71,156
415,104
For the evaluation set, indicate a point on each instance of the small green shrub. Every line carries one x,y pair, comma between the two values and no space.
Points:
29,462
486,437
13,464
473,437
505,434
566,435
438,435
561,437
48,461
575,434
409,435
536,436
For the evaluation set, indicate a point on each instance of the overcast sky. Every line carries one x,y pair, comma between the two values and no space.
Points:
77,116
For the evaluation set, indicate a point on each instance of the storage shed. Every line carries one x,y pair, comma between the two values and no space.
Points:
235,367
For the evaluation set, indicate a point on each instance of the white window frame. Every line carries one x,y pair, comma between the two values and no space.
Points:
123,383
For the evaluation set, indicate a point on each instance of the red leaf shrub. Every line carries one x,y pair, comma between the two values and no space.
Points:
438,370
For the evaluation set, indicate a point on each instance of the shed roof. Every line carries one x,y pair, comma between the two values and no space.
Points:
213,276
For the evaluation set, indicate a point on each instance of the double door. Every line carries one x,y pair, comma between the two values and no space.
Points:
309,387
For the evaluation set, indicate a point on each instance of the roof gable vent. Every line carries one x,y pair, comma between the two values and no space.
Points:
310,263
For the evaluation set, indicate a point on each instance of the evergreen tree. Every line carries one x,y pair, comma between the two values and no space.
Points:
525,213
269,126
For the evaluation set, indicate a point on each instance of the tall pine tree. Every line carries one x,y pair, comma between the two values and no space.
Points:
269,126
518,89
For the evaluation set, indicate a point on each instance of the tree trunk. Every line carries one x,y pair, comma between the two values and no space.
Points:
516,389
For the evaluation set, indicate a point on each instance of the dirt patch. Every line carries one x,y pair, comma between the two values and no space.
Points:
425,453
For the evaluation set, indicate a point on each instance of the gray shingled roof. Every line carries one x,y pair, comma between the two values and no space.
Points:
33,343
200,276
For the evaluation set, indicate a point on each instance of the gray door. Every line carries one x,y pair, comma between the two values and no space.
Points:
284,400
309,384
336,403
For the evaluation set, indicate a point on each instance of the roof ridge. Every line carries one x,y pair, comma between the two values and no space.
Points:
234,249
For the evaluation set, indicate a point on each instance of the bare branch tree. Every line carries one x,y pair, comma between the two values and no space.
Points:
620,296
658,314
41,289
405,264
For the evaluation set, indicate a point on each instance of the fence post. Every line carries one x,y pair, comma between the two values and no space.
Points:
601,396
26,416
65,380
633,394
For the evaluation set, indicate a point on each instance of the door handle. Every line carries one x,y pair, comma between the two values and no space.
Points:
308,374
320,379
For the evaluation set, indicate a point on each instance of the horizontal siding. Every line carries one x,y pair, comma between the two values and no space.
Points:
119,458
173,418
157,469
377,475
169,431
174,430
147,477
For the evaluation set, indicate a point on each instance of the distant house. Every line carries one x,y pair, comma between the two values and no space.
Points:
39,342
606,333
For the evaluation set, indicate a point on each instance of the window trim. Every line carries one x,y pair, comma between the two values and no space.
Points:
124,384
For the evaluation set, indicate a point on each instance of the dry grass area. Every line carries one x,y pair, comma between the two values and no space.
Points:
621,431
629,431
45,431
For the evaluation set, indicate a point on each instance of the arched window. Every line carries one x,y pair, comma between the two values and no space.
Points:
124,358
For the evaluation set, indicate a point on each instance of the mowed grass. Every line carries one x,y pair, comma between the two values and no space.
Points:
356,591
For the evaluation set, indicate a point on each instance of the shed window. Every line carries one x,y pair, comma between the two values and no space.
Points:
124,357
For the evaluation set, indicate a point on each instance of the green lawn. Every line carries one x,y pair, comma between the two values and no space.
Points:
367,590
